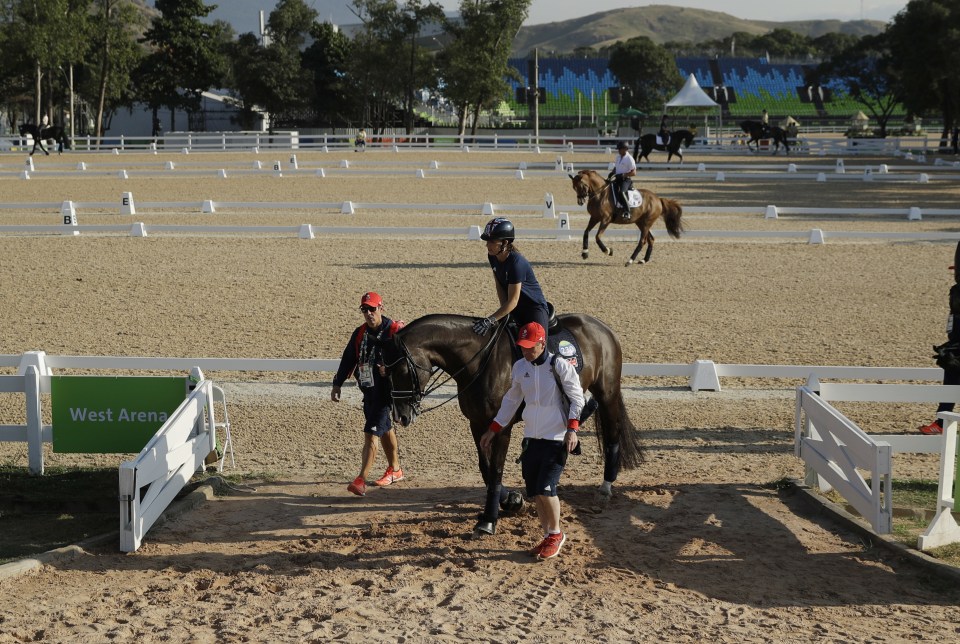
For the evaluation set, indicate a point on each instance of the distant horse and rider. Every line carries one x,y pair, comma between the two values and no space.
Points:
672,144
51,133
597,193
757,131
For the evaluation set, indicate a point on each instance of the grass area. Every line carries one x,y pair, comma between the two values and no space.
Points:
912,500
64,506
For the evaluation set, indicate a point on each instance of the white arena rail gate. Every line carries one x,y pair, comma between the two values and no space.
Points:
835,450
150,482
168,461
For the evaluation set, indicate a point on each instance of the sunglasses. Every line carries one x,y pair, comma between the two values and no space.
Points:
368,309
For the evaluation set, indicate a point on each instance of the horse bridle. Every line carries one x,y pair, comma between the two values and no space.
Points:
589,193
417,393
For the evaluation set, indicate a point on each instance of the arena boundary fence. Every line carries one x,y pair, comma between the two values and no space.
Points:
712,142
149,482
835,450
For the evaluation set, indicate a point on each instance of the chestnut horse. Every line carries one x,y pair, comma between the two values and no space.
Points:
597,193
419,355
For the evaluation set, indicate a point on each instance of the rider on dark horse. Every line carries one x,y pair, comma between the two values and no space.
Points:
664,132
624,168
765,125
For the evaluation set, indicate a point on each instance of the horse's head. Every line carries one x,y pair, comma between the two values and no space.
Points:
583,184
403,372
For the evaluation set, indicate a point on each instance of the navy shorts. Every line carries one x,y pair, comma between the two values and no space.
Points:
377,415
543,462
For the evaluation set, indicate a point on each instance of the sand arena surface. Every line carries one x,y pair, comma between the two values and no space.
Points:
695,546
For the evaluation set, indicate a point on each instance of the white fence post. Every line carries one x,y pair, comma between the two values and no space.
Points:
943,529
31,387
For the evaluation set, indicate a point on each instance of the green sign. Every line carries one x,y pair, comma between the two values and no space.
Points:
111,415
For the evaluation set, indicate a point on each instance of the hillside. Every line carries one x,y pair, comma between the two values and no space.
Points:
664,24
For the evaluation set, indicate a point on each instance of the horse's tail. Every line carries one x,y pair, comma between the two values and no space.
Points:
622,440
672,212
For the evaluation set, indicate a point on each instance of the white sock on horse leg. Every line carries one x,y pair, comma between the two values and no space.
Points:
606,487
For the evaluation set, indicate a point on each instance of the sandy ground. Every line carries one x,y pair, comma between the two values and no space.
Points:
696,545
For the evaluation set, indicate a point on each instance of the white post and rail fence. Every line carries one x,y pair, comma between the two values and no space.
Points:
831,445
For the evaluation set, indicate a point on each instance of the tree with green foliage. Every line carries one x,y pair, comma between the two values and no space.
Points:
272,76
647,70
40,38
186,58
924,44
328,61
113,57
474,65
389,63
868,70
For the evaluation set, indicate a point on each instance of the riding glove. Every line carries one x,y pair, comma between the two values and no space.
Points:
481,326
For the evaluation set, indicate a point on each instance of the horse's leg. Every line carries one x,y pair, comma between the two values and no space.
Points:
644,233
609,413
680,154
603,248
492,472
585,252
646,258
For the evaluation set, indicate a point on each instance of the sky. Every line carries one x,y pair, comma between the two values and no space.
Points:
243,14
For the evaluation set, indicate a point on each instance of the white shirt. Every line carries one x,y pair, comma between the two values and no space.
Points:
535,383
624,164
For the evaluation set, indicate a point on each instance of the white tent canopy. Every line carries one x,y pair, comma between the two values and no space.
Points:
692,95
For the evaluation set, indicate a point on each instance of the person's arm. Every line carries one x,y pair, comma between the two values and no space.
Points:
509,299
348,363
570,382
508,407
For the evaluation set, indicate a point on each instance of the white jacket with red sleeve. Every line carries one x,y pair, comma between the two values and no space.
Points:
543,415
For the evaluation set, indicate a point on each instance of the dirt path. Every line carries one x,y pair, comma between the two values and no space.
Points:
697,545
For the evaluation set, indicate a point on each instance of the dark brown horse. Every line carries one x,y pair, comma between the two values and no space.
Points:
757,131
596,192
52,133
679,139
480,365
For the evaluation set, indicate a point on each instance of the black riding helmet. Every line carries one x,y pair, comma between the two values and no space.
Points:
498,228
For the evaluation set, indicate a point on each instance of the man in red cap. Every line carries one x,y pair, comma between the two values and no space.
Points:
542,379
362,358
948,353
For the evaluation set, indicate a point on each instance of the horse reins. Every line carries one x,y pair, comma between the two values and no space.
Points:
422,392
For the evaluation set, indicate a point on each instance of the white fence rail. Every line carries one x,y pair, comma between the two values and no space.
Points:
168,461
835,449
713,142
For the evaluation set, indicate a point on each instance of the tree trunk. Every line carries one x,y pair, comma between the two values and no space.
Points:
36,116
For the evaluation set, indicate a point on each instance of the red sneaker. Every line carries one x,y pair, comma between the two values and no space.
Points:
931,429
537,549
358,487
390,476
551,546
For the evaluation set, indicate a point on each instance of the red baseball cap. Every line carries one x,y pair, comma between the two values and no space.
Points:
530,334
371,299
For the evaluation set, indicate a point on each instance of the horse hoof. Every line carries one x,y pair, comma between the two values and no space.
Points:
609,252
484,529
629,261
641,262
584,255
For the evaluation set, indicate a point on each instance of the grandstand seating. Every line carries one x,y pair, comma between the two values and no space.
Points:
571,84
